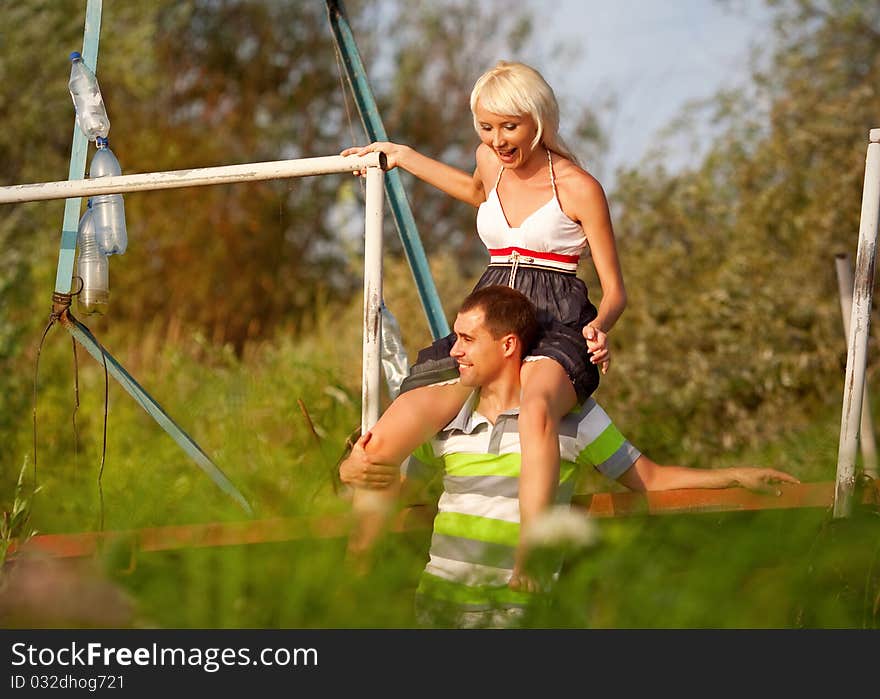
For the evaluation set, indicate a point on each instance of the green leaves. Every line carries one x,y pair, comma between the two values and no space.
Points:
733,331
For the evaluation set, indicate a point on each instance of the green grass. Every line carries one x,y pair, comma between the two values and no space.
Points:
776,569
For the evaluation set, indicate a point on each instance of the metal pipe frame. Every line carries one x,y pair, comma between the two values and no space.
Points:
372,359
78,149
373,164
857,351
199,177
398,202
867,438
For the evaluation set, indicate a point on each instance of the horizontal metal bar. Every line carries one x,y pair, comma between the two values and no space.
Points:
199,177
598,505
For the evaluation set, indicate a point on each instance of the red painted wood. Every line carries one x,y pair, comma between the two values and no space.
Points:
600,505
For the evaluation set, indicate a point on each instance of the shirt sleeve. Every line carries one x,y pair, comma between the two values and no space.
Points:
601,445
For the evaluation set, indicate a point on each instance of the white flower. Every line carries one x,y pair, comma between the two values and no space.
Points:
561,526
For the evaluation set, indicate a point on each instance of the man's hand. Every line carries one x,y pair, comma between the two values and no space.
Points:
360,471
761,480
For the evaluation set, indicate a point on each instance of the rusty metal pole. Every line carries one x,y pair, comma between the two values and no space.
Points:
372,354
857,359
371,507
867,438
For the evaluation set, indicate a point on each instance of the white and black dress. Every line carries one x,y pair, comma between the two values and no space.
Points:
538,258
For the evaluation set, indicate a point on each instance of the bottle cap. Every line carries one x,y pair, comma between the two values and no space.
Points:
75,55
101,142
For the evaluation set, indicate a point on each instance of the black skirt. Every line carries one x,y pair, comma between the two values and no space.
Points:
563,309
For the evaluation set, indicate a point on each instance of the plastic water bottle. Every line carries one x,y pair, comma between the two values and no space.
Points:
92,267
394,360
91,116
108,209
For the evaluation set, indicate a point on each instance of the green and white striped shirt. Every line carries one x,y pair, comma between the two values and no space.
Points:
476,529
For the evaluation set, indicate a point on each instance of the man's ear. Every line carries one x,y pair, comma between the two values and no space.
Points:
510,344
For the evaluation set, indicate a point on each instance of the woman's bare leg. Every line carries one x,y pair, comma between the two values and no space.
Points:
412,419
547,395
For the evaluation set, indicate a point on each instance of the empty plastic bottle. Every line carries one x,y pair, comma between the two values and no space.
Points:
394,360
92,267
109,209
91,116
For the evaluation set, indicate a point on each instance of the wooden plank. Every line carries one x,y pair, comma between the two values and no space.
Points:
599,505
190,536
693,501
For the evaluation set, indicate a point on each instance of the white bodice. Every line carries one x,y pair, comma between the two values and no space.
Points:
547,229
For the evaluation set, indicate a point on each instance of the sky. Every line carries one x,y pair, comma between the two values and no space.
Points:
650,57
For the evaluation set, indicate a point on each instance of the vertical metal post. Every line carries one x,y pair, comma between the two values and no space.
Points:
372,360
400,208
856,360
867,438
371,506
78,151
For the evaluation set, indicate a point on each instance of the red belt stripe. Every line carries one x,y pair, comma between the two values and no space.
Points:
568,259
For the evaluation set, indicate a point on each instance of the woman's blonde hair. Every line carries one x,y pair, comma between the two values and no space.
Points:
516,89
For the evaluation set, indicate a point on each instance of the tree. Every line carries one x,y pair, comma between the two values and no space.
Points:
733,327
203,83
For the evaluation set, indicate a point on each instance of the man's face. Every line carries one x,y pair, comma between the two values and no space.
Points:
480,356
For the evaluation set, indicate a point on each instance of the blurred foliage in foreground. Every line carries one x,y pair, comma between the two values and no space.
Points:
739,570
236,305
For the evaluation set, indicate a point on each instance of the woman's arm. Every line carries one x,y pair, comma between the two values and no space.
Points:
450,180
591,211
585,203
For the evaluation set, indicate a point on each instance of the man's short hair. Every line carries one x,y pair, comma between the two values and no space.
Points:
506,312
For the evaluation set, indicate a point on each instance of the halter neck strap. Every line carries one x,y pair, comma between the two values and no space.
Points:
498,179
552,174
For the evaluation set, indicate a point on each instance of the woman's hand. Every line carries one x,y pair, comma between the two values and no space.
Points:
597,345
393,153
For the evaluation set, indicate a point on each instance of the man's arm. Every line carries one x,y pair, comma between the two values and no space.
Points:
383,488
379,486
358,469
645,475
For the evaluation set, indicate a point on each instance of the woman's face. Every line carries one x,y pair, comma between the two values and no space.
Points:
509,136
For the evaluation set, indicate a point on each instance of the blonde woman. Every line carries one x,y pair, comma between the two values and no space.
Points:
538,212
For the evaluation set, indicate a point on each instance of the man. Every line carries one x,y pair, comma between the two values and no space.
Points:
476,539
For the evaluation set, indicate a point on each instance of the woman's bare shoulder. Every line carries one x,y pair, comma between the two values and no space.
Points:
487,166
576,184
486,157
